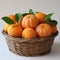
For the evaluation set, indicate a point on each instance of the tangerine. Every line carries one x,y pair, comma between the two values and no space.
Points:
54,29
15,30
6,27
30,21
12,17
40,16
29,33
44,30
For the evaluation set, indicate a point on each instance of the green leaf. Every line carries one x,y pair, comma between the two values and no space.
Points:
8,20
31,11
24,14
47,17
18,16
37,12
52,22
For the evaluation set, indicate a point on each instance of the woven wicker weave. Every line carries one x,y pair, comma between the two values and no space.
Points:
30,47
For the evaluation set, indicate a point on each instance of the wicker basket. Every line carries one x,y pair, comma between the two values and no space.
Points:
30,47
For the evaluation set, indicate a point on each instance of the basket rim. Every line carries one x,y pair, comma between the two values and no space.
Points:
26,40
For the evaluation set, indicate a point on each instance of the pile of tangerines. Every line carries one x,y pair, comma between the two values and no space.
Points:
30,25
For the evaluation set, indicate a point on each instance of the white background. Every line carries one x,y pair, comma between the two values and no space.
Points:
15,6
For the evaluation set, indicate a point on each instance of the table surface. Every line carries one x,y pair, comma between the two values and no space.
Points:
12,6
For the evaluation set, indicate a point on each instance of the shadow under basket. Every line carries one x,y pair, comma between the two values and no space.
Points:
30,47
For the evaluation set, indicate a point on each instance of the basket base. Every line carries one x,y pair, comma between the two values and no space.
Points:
31,55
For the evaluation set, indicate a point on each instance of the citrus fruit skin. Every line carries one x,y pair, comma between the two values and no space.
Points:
15,30
30,21
54,29
44,30
29,33
40,16
6,27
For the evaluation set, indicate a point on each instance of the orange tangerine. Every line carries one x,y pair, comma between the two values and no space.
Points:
12,17
6,27
15,30
44,30
54,29
30,21
40,16
29,33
